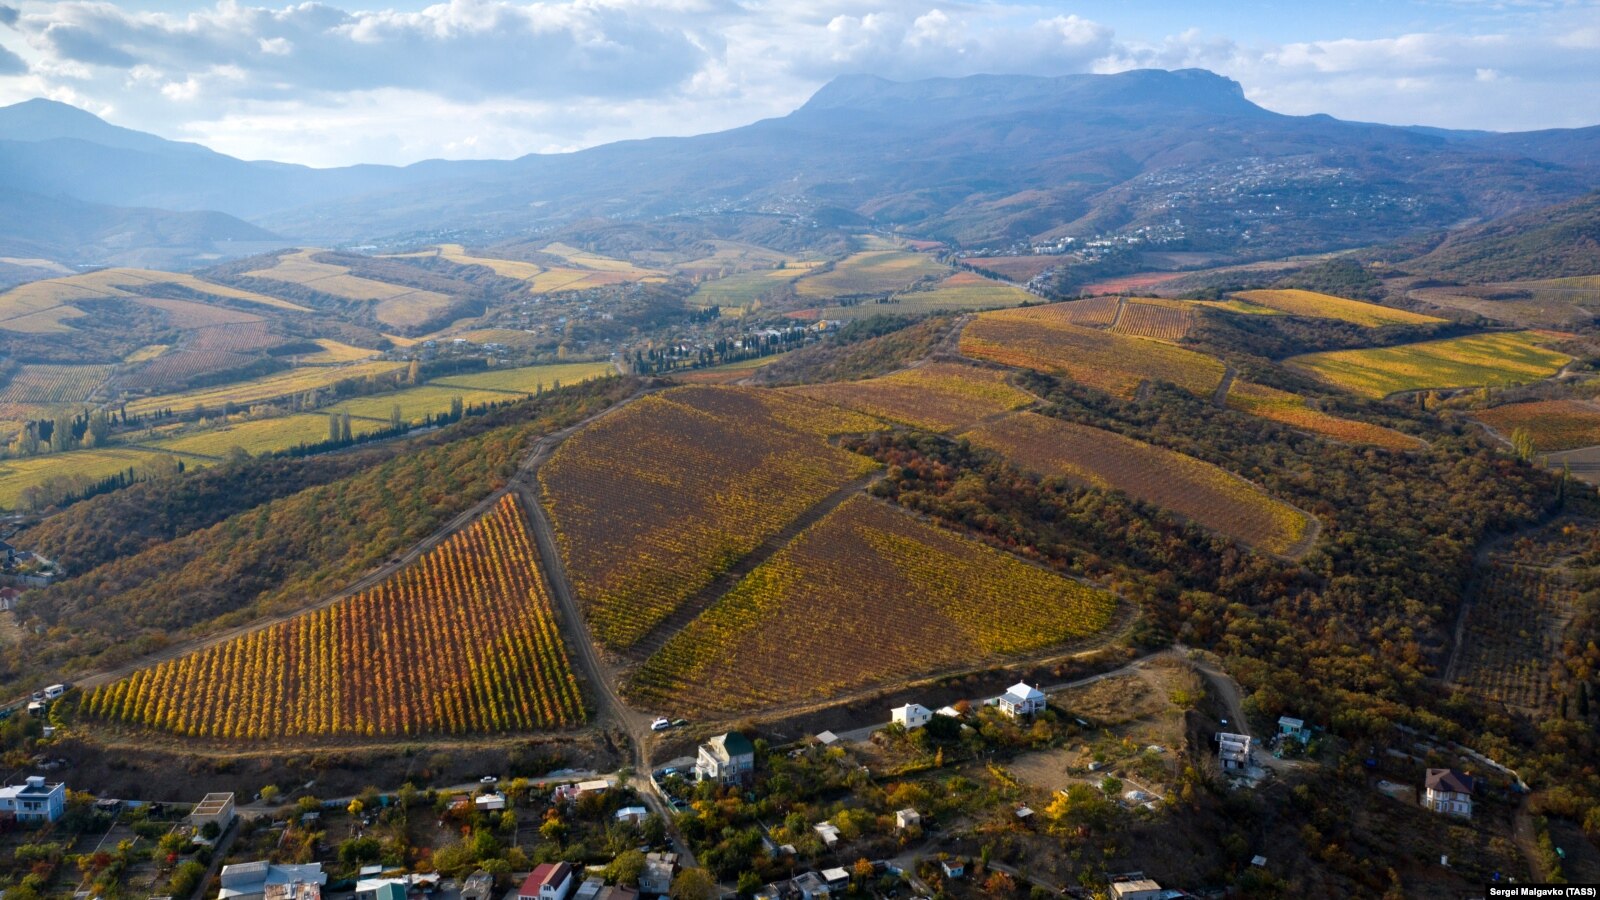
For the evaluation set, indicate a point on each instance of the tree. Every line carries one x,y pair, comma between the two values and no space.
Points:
693,884
414,372
269,794
395,417
626,868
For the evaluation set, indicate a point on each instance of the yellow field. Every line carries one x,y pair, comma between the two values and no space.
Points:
1043,338
506,268
732,257
935,397
508,336
44,307
28,263
416,403
528,379
260,436
1326,306
1550,424
586,260
397,305
17,475
335,352
272,387
54,384
1481,359
1197,490
870,272
960,292
743,290
147,353
1292,410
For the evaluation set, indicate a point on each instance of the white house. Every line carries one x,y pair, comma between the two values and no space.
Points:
549,881
828,832
1448,791
216,808
912,715
34,801
250,881
1233,750
1022,699
727,759
493,802
907,818
633,814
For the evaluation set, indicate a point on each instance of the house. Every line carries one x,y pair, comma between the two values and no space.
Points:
378,888
1233,750
1448,791
568,792
1293,729
617,892
827,738
727,759
912,715
907,818
549,881
657,875
478,886
590,889
955,867
8,598
837,878
810,886
252,880
1022,699
33,801
1135,886
216,808
632,814
828,832
494,802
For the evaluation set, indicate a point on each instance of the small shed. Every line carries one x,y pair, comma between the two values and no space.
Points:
1293,729
907,818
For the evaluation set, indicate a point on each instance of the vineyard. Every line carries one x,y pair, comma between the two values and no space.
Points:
1095,312
53,384
1293,410
272,387
462,641
935,396
866,595
1196,490
870,272
1159,320
1513,630
651,503
1326,306
1496,359
1551,424
1043,338
1014,268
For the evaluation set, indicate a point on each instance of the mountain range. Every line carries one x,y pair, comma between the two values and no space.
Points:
1180,158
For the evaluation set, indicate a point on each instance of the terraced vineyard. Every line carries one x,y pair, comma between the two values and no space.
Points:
1158,320
1551,424
1292,410
53,384
651,503
934,396
1196,490
1495,359
1044,338
462,641
868,594
1513,629
1327,306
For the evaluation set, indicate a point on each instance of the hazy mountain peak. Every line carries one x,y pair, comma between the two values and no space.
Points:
47,120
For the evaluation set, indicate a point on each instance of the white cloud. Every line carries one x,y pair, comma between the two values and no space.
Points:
315,83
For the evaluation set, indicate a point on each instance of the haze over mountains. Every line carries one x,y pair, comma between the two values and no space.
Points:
982,160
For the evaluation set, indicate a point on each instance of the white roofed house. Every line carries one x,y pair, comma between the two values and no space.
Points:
1022,699
912,715
33,801
254,880
1233,751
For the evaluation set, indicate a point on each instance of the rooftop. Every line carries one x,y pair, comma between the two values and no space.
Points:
1449,780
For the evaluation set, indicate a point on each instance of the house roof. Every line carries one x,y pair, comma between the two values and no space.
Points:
390,891
909,707
1292,723
1022,691
732,744
1449,780
545,874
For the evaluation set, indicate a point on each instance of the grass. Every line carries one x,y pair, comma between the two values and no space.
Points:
1327,306
1044,338
529,379
271,387
936,397
745,289
1199,491
17,475
870,272
146,353
257,437
1494,359
1551,424
869,594
416,403
1293,410
335,352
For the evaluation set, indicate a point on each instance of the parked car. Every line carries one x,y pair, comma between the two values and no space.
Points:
661,724
488,779
679,723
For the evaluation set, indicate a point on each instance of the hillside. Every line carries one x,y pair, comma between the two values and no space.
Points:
1559,242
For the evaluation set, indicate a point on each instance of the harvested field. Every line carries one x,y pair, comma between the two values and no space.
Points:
1293,410
870,273
651,503
868,595
187,314
1043,338
1210,496
1496,359
272,387
935,396
345,671
1020,269
1326,306
1551,424
506,268
586,260
395,305
335,352
528,379
54,384
1512,633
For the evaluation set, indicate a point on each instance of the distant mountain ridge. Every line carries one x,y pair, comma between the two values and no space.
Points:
1182,157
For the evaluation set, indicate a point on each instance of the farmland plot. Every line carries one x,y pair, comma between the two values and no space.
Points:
1551,424
1495,359
1513,629
870,272
272,387
935,396
54,384
1198,491
474,609
651,503
1327,306
529,379
394,304
1158,320
960,292
258,436
1293,410
869,594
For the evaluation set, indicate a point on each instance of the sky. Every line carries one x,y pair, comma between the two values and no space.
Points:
338,82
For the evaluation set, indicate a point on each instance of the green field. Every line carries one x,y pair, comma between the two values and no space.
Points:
962,291
260,436
872,272
416,403
528,379
272,387
743,289
17,475
1480,359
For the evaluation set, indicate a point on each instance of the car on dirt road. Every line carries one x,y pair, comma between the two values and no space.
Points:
662,723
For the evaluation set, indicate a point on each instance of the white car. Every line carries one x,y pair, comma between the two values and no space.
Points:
661,724
488,779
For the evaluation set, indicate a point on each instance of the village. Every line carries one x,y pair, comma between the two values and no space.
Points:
1036,792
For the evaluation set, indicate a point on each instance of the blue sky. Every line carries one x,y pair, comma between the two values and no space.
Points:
327,82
